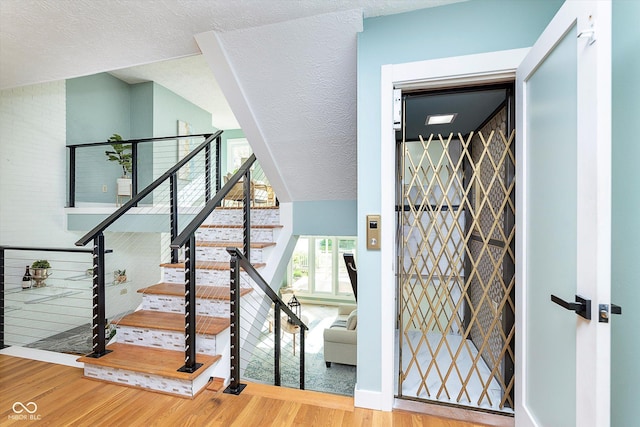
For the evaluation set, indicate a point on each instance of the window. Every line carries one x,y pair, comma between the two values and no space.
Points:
317,268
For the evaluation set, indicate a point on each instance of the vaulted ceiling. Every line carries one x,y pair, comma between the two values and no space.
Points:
288,67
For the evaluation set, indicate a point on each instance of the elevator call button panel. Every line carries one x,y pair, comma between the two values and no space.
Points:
373,232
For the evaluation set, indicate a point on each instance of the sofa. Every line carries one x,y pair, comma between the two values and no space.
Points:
340,340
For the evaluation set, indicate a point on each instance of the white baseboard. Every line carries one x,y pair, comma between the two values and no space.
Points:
371,400
43,356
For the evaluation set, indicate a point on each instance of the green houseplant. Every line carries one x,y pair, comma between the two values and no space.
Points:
41,263
121,154
119,276
40,272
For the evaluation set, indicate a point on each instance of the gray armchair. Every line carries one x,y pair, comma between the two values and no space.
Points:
340,340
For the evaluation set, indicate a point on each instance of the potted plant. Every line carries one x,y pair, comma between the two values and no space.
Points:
119,276
121,154
40,272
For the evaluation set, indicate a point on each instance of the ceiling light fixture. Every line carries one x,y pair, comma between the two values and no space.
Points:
440,119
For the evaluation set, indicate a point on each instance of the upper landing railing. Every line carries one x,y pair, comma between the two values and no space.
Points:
135,169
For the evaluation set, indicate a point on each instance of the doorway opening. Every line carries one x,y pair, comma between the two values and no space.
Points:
455,205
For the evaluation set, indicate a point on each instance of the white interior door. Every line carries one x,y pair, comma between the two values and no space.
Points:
563,220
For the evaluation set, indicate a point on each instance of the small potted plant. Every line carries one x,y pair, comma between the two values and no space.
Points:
121,154
40,272
119,276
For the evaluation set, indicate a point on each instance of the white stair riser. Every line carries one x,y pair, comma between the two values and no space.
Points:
168,340
138,379
184,388
235,216
175,304
220,234
221,254
203,277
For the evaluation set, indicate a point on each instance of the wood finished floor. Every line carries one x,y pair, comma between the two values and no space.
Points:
64,398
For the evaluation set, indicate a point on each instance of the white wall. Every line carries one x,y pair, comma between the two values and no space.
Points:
33,171
33,166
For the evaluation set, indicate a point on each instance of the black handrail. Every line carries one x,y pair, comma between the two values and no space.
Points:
144,193
215,201
187,239
238,260
262,283
134,160
97,235
137,141
39,249
4,248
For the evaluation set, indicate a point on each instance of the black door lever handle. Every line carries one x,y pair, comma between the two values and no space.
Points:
616,309
582,306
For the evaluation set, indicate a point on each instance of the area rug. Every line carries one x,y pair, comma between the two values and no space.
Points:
338,379
74,341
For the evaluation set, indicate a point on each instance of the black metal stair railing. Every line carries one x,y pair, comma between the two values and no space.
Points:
239,259
97,233
3,257
73,152
186,239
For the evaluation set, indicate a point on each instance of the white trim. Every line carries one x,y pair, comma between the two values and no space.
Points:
388,247
447,72
369,399
43,356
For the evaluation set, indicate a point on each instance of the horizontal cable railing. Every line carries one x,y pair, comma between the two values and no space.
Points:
248,317
92,182
249,189
176,196
46,298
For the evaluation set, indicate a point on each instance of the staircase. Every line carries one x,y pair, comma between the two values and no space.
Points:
149,346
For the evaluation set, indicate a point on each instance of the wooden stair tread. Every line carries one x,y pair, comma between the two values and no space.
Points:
202,291
148,360
263,226
255,245
209,265
150,319
216,384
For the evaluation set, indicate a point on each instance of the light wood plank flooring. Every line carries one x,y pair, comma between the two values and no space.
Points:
63,397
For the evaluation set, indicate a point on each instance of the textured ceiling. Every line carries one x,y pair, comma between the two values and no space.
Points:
302,97
292,64
190,77
47,40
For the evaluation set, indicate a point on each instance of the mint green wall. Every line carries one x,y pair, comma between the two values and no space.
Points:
318,218
427,34
625,339
142,127
168,108
101,105
97,107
